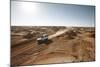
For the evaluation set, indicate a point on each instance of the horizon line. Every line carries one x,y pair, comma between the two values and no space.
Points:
52,25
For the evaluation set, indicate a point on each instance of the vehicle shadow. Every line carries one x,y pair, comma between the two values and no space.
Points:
48,42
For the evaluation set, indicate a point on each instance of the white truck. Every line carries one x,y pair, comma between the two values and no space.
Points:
42,39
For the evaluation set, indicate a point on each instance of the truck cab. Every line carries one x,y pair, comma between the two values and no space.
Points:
42,39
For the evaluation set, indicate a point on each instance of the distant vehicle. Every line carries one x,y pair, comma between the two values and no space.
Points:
42,39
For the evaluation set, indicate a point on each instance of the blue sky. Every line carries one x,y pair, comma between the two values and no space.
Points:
50,14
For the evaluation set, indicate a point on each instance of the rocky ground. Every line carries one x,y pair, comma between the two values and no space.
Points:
73,45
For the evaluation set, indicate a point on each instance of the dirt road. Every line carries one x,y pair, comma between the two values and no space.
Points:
58,33
60,50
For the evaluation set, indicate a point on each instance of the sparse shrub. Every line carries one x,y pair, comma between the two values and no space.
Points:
71,34
92,35
28,35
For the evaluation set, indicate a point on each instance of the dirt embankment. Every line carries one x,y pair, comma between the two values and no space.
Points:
65,46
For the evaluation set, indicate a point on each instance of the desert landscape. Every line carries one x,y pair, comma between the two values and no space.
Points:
33,45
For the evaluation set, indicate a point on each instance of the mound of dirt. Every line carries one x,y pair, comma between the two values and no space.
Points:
64,45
